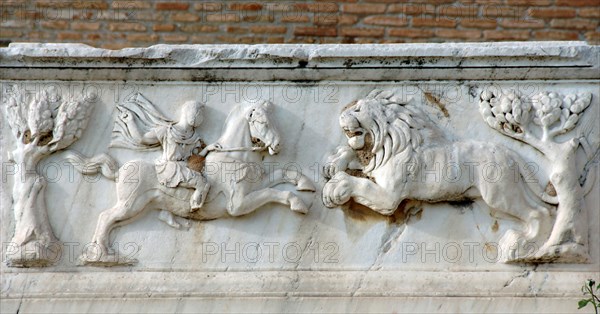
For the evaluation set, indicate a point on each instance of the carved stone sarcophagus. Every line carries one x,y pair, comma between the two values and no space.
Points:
343,175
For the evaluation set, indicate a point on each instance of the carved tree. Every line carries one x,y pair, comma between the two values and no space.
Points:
538,121
42,123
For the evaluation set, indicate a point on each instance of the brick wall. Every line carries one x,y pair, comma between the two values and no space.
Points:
116,24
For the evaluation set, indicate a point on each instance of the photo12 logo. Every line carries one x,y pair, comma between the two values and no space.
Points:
269,252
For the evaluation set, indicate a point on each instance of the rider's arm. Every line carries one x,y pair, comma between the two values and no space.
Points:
209,148
148,138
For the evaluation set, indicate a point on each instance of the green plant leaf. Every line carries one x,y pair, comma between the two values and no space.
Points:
583,303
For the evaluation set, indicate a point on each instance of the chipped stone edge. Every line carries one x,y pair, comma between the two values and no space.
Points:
452,55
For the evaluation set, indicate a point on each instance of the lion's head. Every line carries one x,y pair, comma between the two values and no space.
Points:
382,125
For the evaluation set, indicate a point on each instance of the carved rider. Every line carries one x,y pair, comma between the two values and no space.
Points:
178,141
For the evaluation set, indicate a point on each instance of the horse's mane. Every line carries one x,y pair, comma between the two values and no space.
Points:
399,128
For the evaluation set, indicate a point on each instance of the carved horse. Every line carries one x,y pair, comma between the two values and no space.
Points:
234,168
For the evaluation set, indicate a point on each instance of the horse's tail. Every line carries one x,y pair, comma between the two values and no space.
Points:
102,163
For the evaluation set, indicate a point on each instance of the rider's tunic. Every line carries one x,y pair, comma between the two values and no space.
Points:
172,168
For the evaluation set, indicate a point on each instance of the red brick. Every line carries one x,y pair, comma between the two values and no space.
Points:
55,24
362,32
9,3
364,8
129,4
314,7
163,27
464,11
37,35
411,8
223,17
148,16
252,6
315,31
236,29
7,33
15,24
275,40
142,37
115,46
437,1
432,22
93,36
484,2
506,35
202,39
185,17
385,20
90,4
478,23
258,18
345,19
578,24
578,3
31,14
555,35
174,38
411,33
126,27
500,11
551,13
286,7
85,26
53,4
208,7
199,28
529,2
178,6
68,36
592,12
509,23
268,29
458,33
593,37
295,19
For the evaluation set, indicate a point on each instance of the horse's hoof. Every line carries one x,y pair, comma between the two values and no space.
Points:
106,260
298,206
305,185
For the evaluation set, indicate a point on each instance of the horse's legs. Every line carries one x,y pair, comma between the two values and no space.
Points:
248,203
294,177
108,218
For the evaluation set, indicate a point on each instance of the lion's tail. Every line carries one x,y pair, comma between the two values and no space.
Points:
102,163
537,190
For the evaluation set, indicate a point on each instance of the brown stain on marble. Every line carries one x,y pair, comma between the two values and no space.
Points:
550,190
435,101
495,226
405,210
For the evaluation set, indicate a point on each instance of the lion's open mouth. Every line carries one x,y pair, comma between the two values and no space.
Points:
352,133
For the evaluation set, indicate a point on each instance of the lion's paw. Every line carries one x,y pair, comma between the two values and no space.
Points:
338,190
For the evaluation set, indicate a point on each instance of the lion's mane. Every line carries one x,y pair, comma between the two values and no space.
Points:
397,128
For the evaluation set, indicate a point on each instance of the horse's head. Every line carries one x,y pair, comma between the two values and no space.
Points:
262,129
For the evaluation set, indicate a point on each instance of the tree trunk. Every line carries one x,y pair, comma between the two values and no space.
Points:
569,238
33,233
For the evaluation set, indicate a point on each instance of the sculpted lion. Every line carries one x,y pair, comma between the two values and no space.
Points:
395,152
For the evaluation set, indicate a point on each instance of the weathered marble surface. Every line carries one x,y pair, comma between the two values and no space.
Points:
435,257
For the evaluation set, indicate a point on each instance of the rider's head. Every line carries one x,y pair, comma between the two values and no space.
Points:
192,113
